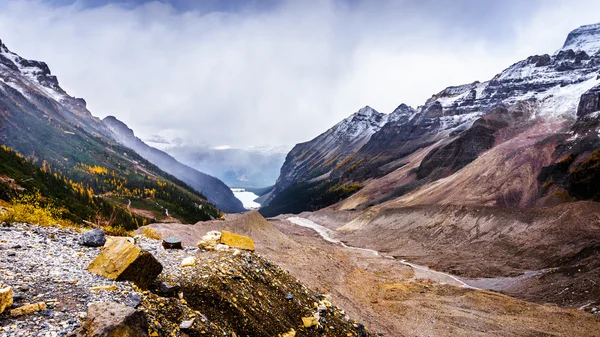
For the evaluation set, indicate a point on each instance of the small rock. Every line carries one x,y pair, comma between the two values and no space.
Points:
186,325
133,300
112,319
310,321
172,243
121,260
6,298
166,290
28,309
210,240
110,287
189,261
221,246
93,238
291,333
289,296
237,241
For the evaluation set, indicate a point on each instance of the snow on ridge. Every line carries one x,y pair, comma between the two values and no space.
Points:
361,124
29,74
585,38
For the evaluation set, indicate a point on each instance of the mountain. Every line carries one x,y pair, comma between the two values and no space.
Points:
215,190
246,168
55,131
308,166
545,102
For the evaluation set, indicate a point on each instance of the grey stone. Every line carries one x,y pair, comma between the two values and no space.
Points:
186,325
93,238
106,318
172,243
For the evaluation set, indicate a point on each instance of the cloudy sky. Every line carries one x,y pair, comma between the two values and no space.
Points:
268,72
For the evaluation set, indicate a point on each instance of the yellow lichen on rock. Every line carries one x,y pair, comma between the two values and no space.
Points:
309,321
28,309
291,333
6,298
237,241
121,260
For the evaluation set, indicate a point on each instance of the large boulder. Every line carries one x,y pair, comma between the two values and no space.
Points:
6,298
108,319
93,238
237,241
123,261
589,102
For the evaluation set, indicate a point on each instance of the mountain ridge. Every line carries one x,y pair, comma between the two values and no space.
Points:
40,121
215,190
553,86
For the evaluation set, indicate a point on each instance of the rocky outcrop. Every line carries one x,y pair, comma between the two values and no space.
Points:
121,260
109,319
589,102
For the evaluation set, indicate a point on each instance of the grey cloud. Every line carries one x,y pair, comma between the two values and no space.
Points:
281,75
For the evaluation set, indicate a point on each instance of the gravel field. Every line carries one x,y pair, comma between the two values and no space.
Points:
47,264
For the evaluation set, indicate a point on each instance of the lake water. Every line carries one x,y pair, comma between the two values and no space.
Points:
246,197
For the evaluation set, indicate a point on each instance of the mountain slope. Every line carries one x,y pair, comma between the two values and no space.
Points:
41,121
308,166
215,190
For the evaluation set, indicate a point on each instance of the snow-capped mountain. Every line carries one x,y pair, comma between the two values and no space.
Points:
314,160
459,123
554,82
40,120
34,81
585,38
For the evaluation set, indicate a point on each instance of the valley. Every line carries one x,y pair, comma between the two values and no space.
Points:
389,295
476,213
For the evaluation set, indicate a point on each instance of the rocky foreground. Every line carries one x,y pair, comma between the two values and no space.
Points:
47,290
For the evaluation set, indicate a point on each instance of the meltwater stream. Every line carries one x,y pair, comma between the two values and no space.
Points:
420,271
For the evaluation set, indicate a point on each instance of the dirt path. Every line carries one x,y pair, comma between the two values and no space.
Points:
421,272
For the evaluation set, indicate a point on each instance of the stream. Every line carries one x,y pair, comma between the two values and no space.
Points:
420,271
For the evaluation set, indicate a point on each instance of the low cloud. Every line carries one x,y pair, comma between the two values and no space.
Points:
276,75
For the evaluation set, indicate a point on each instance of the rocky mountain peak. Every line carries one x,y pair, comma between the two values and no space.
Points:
585,38
118,127
22,74
403,111
367,111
